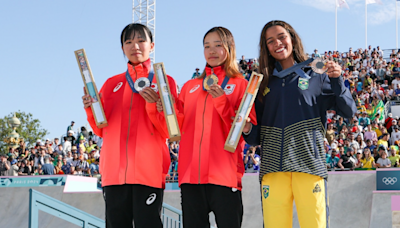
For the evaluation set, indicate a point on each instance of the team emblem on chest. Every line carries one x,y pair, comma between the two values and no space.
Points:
229,88
154,87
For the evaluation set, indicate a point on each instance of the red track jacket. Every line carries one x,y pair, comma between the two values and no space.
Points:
205,127
134,151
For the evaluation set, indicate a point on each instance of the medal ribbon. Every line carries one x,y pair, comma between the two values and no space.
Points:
132,84
226,79
295,68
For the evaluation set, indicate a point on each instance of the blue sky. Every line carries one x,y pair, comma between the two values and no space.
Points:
39,73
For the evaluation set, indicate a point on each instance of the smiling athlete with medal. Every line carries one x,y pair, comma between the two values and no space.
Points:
210,177
133,192
291,114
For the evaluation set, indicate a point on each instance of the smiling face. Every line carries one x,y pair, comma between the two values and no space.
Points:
214,51
280,44
137,47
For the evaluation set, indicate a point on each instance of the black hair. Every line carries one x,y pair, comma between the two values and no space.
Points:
130,32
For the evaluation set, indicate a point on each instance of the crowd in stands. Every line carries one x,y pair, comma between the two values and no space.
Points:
369,140
75,154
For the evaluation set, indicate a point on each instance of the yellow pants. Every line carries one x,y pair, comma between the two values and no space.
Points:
309,193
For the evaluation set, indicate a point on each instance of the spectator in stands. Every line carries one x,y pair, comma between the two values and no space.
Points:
94,167
82,152
384,140
66,146
316,54
330,134
353,143
395,135
332,160
367,161
66,167
48,168
24,169
70,137
370,134
360,141
91,146
59,150
252,161
13,171
69,157
74,149
243,64
380,150
383,161
364,120
370,145
394,158
58,169
196,74
75,160
83,165
70,127
347,160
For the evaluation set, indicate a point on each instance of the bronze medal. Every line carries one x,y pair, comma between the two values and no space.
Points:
319,66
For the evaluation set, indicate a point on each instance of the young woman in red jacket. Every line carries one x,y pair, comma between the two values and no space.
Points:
132,190
209,176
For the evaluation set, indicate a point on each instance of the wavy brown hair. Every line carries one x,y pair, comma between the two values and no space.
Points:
230,66
267,62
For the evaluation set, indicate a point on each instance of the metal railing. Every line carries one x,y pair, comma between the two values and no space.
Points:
39,201
171,217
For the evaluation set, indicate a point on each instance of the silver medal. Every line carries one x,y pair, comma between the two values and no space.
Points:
141,83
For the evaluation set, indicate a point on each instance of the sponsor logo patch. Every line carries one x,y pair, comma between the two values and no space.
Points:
119,85
316,189
194,88
151,199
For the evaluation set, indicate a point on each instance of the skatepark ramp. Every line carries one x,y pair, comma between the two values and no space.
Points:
354,200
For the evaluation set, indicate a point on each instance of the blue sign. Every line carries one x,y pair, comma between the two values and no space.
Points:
388,180
32,181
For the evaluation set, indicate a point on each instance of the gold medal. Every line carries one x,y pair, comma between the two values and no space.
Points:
319,66
209,81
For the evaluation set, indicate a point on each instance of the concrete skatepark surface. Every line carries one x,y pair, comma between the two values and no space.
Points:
352,203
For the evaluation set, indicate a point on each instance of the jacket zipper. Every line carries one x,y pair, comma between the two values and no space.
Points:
202,133
127,137
283,127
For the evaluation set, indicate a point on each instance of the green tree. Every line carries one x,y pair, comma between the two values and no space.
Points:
30,129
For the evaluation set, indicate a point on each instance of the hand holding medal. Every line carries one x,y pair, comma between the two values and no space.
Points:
149,95
216,91
334,70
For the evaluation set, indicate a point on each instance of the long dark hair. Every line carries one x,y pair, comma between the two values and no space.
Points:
267,62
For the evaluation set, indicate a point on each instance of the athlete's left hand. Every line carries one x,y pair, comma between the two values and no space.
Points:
216,91
334,70
149,95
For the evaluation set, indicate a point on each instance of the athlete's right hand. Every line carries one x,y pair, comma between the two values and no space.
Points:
87,99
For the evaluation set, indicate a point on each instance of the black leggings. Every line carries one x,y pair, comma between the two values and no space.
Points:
132,202
198,200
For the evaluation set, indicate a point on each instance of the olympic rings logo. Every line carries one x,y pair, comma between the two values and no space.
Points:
389,180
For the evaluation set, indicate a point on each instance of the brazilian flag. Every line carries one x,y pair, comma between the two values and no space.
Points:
379,108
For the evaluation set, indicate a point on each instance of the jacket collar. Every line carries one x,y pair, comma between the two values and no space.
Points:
140,70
